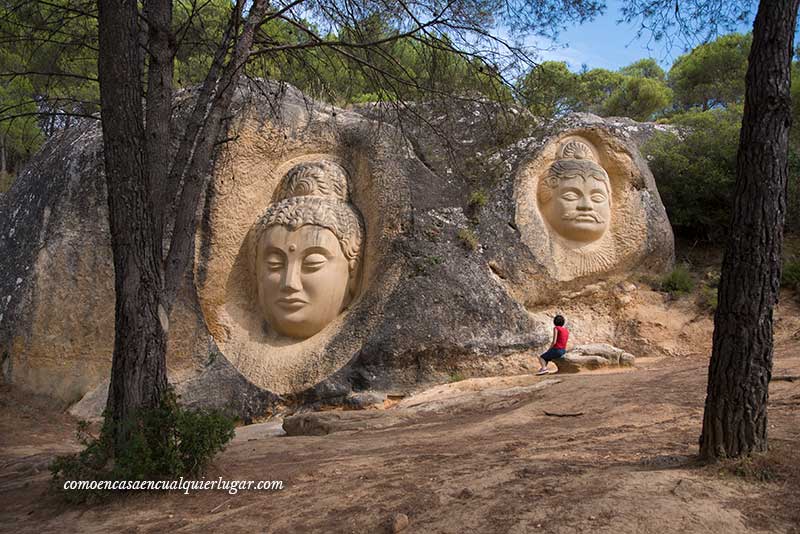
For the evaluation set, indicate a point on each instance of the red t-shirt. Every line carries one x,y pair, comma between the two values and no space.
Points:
562,334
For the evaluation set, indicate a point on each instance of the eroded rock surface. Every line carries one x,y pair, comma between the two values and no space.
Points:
457,268
477,394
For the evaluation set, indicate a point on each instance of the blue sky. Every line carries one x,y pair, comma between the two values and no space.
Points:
603,43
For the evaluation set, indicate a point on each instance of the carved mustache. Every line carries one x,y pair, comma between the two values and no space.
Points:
573,215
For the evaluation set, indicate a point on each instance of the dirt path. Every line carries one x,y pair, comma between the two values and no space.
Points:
625,466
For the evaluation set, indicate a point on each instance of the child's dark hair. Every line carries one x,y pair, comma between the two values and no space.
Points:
558,320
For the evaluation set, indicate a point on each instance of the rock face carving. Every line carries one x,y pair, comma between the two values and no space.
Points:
306,250
586,206
408,304
575,196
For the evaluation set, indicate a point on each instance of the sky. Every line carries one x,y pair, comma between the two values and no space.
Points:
606,44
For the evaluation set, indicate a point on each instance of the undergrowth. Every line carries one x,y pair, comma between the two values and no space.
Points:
166,442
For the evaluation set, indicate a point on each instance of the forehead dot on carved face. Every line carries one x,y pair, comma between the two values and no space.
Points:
292,247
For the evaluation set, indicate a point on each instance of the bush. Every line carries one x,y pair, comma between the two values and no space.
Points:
696,171
455,377
709,298
678,281
6,179
468,238
790,276
478,198
168,442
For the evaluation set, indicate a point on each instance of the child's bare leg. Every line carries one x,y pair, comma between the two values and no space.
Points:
542,363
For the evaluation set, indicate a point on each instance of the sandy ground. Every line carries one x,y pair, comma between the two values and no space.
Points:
627,465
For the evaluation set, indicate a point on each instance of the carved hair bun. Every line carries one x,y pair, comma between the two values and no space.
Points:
577,150
322,178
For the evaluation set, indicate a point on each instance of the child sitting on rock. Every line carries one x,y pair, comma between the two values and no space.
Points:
558,347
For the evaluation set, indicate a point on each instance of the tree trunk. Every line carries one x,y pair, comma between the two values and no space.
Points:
2,155
158,115
138,369
735,418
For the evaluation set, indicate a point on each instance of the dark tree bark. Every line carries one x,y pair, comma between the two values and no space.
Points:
735,419
142,184
161,46
3,154
138,368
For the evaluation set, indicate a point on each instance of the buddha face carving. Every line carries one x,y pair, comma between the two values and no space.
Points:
575,198
303,279
306,251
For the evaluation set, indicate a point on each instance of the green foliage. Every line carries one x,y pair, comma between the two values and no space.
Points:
455,377
712,74
637,91
790,274
709,297
678,281
6,179
696,172
793,189
597,85
468,238
478,198
550,89
794,133
644,68
166,443
638,98
401,69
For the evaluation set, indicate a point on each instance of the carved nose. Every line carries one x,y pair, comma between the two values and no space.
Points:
584,204
291,280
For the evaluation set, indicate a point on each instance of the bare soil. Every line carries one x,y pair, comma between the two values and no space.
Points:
627,465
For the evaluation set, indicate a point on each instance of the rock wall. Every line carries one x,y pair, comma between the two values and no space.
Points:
457,268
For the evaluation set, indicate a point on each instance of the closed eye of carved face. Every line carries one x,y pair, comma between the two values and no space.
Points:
314,262
275,261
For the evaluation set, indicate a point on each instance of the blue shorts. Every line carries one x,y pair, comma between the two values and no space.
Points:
553,354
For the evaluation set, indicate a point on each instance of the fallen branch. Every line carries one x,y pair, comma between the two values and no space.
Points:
785,378
553,414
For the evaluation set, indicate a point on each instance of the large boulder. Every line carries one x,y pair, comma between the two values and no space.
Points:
447,261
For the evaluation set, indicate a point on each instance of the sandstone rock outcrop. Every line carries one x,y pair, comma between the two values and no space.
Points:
593,356
456,269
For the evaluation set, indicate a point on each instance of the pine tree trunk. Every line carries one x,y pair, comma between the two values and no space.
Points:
735,418
138,374
3,155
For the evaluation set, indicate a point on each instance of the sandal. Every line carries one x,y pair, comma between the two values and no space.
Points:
542,372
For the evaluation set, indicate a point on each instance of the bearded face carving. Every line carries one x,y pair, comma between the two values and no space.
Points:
575,196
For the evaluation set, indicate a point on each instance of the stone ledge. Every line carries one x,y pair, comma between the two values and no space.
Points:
594,356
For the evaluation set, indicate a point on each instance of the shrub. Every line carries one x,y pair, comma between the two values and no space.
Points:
696,171
478,198
709,297
455,377
678,281
167,442
790,276
6,179
468,238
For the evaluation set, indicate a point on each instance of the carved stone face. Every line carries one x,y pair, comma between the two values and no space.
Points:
303,279
579,208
